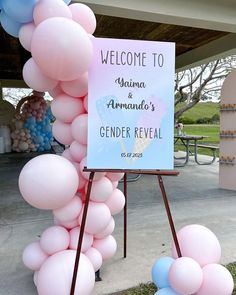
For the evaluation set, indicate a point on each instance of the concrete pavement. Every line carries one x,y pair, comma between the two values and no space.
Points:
194,197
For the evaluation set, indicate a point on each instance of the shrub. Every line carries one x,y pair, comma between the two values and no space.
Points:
186,120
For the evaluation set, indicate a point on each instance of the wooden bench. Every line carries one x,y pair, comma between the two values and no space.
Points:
213,148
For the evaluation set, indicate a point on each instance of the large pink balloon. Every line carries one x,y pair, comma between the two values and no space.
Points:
48,181
77,87
45,9
74,238
61,48
25,35
54,239
217,280
35,79
107,247
79,128
198,242
62,132
78,151
95,258
83,15
98,218
107,231
70,211
66,108
181,280
55,275
33,256
116,201
101,190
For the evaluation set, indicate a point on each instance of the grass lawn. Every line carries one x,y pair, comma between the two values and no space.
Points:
150,289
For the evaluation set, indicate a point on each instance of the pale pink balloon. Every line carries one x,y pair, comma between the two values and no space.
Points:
181,269
86,103
74,238
77,87
107,246
217,280
116,201
79,128
55,275
66,108
48,181
107,231
45,9
54,239
95,258
101,190
198,242
97,175
84,15
33,256
98,218
115,176
35,79
70,211
56,91
67,224
78,151
61,48
25,35
66,154
62,132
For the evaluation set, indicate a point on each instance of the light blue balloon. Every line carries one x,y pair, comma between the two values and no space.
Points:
11,26
67,1
19,10
166,291
160,271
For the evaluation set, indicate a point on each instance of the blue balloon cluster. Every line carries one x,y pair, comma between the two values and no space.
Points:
41,131
160,278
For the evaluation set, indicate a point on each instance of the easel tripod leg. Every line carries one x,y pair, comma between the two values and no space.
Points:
125,215
78,251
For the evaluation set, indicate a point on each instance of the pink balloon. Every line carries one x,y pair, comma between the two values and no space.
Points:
97,175
107,247
67,224
33,256
116,202
54,239
83,15
61,48
107,231
115,176
66,108
101,190
82,182
198,242
79,128
217,280
86,103
74,238
66,154
48,181
55,275
78,151
70,211
62,132
98,218
45,9
181,269
35,79
56,91
25,35
77,87
95,258
115,184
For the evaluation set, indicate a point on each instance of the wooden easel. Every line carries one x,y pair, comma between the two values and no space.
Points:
159,174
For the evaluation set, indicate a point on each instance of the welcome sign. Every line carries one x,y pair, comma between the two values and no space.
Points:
131,105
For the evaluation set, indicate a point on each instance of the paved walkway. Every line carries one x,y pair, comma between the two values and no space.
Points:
194,198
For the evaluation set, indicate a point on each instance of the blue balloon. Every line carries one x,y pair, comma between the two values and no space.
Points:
166,291
160,271
19,10
11,26
67,1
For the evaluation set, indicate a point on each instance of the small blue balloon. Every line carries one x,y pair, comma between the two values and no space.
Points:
11,26
160,271
166,291
67,1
